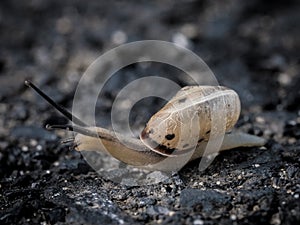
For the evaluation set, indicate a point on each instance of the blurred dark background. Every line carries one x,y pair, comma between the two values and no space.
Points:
251,46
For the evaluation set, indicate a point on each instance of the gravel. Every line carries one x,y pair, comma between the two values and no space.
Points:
252,47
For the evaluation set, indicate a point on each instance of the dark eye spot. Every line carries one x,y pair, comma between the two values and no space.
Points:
200,140
170,136
151,131
185,145
182,100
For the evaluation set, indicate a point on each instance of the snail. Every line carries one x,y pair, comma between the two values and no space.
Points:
182,126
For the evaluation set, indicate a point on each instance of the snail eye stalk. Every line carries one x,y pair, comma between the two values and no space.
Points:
61,109
74,128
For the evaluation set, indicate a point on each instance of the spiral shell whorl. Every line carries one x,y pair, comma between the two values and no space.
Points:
186,119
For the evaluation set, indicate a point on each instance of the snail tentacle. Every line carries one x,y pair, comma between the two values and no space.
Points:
61,109
77,129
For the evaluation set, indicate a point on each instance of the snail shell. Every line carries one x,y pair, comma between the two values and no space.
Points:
186,119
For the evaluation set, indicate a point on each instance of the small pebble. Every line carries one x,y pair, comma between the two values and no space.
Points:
233,217
64,25
260,119
171,213
119,37
198,222
181,40
33,142
25,148
292,141
146,202
284,79
189,30
275,220
255,208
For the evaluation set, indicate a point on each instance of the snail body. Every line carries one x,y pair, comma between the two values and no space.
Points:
182,126
134,152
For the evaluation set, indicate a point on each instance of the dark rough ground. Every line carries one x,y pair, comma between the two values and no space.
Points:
252,47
